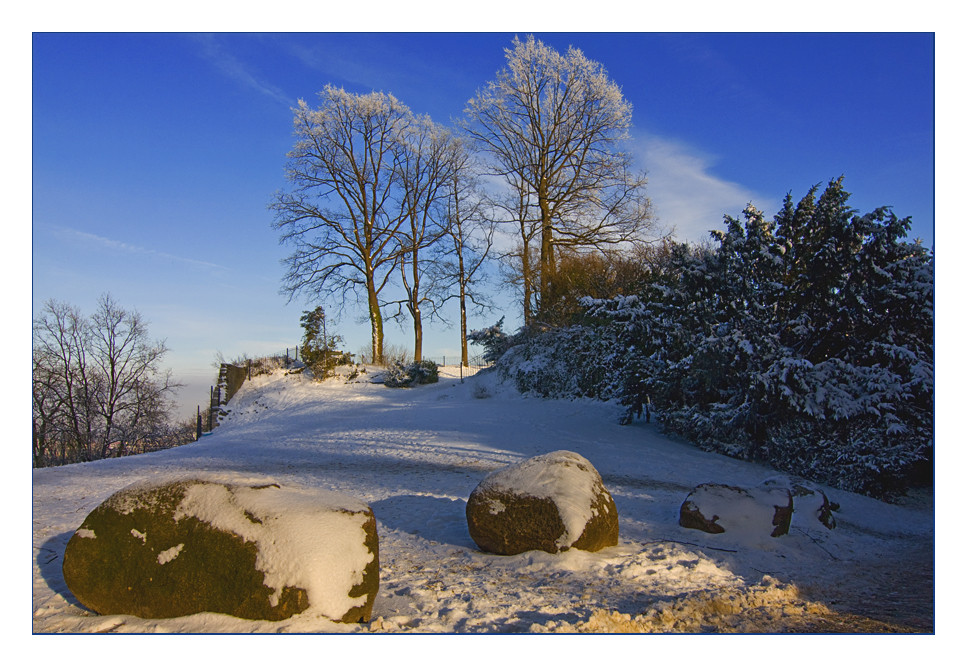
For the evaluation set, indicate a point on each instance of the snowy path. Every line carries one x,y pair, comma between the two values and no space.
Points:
415,456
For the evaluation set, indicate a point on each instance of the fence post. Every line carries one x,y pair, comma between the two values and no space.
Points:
198,425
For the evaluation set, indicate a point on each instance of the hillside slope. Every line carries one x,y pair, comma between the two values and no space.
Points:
416,454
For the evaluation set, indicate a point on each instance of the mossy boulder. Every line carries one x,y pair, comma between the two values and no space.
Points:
551,503
250,550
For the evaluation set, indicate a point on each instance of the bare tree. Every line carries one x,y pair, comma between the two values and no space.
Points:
97,383
132,385
470,230
426,162
342,214
515,207
63,385
552,125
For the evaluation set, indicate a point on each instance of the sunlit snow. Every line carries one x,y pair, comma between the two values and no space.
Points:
415,455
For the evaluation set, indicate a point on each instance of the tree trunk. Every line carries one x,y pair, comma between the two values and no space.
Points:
415,307
375,320
464,356
525,268
417,335
548,266
39,447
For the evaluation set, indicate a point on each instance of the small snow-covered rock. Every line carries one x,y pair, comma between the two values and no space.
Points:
552,502
720,508
250,550
812,507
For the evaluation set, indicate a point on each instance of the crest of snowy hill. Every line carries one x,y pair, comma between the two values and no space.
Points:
415,455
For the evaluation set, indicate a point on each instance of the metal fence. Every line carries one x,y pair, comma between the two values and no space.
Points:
474,364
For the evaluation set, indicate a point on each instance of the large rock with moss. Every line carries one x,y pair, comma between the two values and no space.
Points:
551,503
251,550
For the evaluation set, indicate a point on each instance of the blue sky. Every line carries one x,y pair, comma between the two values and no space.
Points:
154,155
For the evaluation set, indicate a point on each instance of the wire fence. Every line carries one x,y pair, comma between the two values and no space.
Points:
474,364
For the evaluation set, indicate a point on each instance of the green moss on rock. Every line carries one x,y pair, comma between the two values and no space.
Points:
139,554
511,520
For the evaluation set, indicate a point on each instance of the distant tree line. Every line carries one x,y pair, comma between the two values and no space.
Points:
98,387
380,196
805,342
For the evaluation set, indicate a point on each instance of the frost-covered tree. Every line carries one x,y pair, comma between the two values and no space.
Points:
514,207
342,214
552,125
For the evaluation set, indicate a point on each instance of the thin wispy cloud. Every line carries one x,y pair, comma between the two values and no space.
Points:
320,58
374,65
128,248
236,70
685,193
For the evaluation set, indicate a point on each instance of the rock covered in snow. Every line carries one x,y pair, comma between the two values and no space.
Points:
250,550
812,508
551,502
720,508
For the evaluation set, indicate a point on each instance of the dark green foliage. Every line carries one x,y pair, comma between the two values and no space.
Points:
805,342
493,340
320,349
409,375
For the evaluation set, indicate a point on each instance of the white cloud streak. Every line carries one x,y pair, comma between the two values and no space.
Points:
130,249
685,193
234,69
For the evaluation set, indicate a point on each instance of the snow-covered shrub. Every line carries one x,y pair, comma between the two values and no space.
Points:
561,363
493,340
420,372
806,343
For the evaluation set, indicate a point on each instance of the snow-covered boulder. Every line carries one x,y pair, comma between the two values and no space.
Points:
551,503
812,508
250,550
720,508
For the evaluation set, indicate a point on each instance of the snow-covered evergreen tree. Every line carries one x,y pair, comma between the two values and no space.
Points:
805,342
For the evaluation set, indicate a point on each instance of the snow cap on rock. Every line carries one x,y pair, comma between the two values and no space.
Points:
550,502
251,550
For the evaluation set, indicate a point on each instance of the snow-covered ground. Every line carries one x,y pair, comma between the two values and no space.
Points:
415,455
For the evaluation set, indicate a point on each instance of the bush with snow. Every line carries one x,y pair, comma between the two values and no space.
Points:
561,363
805,343
250,550
420,372
552,502
494,340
